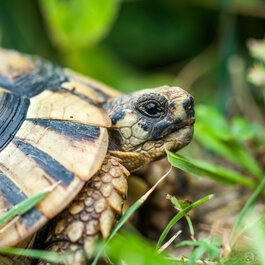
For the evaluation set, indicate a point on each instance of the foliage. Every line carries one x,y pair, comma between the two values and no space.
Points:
143,43
243,223
209,246
202,168
132,249
77,24
214,132
183,212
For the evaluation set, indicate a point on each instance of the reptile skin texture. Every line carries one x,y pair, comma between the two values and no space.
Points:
91,214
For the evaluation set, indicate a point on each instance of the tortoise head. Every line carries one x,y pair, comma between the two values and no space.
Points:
147,122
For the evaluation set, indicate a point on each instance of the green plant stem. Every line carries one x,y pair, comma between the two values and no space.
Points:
190,225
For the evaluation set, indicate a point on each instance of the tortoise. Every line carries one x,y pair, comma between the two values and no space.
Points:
62,130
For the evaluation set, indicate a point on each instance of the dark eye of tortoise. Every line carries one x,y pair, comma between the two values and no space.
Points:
152,105
152,109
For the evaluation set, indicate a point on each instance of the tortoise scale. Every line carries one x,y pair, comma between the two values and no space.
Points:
62,130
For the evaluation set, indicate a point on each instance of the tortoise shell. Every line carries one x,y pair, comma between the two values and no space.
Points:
53,133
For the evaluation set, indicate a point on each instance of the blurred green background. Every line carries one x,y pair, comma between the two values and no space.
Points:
133,44
208,47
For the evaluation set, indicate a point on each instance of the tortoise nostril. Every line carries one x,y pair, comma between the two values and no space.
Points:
188,106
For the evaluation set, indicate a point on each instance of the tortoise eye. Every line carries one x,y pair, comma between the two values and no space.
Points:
151,109
152,105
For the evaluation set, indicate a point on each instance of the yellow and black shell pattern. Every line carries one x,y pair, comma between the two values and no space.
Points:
53,133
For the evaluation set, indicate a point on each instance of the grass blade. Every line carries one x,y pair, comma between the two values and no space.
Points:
247,228
179,216
23,206
168,243
180,206
39,254
258,242
202,168
248,205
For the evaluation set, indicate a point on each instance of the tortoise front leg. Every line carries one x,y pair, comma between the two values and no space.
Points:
91,214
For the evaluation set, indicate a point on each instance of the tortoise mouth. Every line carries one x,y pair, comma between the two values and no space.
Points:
175,129
172,141
178,138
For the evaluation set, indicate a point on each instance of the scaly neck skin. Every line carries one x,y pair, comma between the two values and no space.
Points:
132,161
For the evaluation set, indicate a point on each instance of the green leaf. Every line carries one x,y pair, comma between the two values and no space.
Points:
202,168
216,241
75,24
212,120
211,247
180,205
212,130
195,255
134,250
242,130
179,216
23,207
245,159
